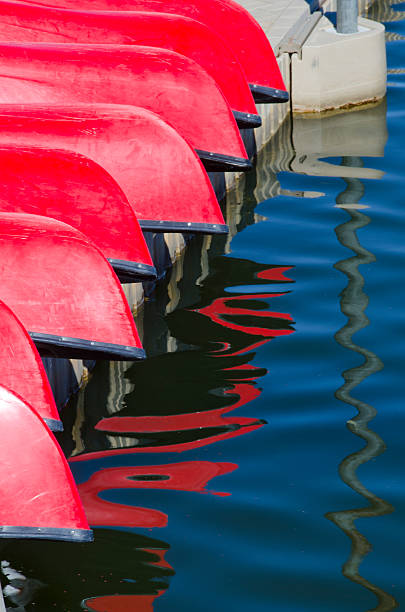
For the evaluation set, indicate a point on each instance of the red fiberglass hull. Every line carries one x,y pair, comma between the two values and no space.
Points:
167,83
160,174
228,19
21,369
63,290
39,497
22,23
73,189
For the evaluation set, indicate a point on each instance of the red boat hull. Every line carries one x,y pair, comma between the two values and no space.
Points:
39,495
228,19
21,369
165,82
22,23
73,189
63,290
160,174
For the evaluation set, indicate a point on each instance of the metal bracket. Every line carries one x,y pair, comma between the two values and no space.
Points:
296,36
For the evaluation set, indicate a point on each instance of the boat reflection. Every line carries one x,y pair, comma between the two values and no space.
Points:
121,562
121,603
353,304
186,476
166,405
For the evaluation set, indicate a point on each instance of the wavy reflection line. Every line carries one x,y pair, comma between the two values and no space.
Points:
229,382
192,476
353,304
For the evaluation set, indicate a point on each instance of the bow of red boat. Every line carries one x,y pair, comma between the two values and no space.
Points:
162,81
64,291
227,18
69,187
21,369
39,496
22,23
159,172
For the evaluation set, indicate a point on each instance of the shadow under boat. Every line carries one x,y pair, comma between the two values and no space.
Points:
64,291
232,22
23,23
169,84
73,189
160,174
21,369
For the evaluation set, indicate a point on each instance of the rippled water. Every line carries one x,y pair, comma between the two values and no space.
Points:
255,461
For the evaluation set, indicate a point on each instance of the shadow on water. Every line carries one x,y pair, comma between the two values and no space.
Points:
353,304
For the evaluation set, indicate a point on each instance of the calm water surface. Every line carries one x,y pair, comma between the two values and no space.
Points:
255,461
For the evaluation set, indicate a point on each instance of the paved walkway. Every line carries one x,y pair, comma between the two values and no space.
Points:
276,16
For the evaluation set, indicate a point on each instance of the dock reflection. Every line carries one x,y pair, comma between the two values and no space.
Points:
353,304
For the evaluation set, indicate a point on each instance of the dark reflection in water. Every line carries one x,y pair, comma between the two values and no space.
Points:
353,304
117,562
201,340
166,404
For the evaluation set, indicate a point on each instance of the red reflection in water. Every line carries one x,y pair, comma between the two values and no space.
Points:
238,429
275,274
223,307
121,603
182,422
198,424
190,476
186,476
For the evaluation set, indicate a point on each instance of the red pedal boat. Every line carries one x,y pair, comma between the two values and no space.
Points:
63,290
165,82
73,189
39,495
22,23
228,19
21,369
160,174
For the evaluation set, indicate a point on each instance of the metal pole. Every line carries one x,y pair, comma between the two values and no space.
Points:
346,16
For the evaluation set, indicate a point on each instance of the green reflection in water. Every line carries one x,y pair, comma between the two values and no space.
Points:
353,304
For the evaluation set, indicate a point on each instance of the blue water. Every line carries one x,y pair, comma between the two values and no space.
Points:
272,475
